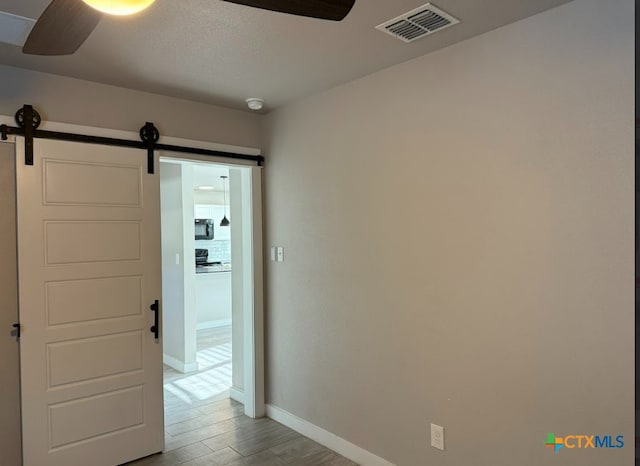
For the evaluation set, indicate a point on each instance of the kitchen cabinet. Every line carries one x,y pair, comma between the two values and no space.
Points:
213,299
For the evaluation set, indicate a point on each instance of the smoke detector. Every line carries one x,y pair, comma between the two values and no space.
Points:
255,104
418,23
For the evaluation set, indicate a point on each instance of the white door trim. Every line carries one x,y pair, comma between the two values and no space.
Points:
254,396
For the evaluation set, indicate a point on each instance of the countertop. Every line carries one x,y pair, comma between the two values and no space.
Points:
201,269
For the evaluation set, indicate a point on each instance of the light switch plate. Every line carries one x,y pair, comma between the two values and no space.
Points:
273,254
437,437
280,254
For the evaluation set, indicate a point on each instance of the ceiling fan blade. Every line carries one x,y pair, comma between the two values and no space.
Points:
335,10
62,28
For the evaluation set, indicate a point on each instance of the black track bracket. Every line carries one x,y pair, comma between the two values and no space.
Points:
28,119
150,135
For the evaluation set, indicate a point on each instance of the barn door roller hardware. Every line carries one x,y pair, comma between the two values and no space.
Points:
149,136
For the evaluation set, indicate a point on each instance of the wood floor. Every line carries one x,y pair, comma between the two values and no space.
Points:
203,427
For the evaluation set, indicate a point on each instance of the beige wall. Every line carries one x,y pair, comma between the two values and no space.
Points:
68,100
10,447
458,236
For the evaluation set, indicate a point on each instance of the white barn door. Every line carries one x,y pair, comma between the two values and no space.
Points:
89,268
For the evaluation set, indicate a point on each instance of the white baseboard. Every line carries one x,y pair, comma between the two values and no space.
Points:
326,438
236,394
178,365
213,324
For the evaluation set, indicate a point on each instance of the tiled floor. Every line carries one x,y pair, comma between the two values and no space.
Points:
203,427
213,380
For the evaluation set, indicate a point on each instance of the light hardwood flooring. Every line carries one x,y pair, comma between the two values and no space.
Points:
203,427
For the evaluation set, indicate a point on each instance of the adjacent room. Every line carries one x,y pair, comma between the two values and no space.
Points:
331,232
197,290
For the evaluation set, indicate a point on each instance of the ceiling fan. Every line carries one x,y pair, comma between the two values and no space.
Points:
66,24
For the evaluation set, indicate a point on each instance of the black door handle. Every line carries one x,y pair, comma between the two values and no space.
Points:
17,327
155,328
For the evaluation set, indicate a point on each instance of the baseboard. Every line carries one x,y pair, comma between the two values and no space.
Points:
326,438
178,365
236,394
213,324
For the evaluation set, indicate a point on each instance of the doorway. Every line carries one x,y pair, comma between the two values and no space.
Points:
197,275
208,255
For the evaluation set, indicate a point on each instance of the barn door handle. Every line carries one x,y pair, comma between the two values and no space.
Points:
155,328
17,327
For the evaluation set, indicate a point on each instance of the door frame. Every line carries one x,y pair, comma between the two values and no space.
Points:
254,373
251,279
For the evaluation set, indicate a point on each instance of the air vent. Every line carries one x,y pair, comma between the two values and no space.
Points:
418,23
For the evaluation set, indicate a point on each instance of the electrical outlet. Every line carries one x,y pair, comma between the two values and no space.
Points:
437,437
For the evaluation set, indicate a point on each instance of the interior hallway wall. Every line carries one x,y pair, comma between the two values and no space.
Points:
458,235
173,274
178,266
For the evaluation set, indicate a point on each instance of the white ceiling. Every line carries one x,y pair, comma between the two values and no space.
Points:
222,53
209,175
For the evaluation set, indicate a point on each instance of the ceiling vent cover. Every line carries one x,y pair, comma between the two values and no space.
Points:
14,29
418,23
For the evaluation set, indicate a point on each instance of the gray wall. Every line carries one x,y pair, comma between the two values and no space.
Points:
10,445
68,100
458,236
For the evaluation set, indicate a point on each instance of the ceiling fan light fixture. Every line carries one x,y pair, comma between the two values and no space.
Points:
119,7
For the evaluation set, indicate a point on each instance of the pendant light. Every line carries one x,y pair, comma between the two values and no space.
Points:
119,7
225,221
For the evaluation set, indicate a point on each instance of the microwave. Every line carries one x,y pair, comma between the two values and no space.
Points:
204,228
